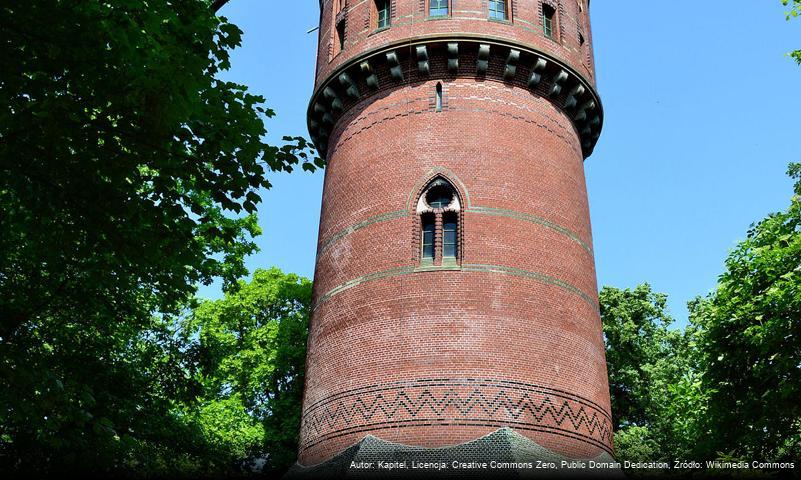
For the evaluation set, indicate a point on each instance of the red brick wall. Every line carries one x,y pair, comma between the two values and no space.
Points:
509,337
410,21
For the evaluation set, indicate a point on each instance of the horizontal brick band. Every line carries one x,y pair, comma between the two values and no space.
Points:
402,271
384,217
457,402
527,217
533,275
498,212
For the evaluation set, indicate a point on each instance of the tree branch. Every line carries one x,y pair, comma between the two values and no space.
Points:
218,4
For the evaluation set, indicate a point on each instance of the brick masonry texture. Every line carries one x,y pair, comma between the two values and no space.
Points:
510,334
410,20
484,402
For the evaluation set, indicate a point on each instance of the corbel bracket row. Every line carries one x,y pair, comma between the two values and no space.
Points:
544,76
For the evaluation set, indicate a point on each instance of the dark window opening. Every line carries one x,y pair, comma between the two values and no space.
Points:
548,16
428,236
439,196
581,40
439,97
497,10
450,235
382,9
341,35
437,8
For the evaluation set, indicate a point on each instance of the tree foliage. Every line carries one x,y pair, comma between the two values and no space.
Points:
728,385
734,389
121,153
635,327
651,373
129,173
751,330
213,392
251,351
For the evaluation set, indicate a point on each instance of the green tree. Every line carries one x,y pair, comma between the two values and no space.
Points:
635,327
251,350
751,341
652,375
129,173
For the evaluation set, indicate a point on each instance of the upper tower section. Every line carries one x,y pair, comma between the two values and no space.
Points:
366,46
559,28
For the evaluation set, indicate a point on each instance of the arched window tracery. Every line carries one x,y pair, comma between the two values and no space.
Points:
439,209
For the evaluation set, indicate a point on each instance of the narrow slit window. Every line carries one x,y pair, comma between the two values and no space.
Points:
548,16
438,8
439,97
341,35
382,9
497,10
450,235
428,237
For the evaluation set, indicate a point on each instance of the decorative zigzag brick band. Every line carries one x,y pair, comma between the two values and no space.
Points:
457,402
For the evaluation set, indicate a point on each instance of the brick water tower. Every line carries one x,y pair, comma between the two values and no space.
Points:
455,296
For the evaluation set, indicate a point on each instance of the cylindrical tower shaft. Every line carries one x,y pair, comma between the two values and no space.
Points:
455,290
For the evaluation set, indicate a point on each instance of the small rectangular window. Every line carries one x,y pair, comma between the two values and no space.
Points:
450,241
497,10
428,237
548,14
382,11
438,8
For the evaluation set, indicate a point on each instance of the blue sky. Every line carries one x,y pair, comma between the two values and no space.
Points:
702,118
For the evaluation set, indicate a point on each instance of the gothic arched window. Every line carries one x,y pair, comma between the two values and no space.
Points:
439,208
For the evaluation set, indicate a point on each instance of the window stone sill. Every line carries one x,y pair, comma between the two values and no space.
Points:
438,268
501,21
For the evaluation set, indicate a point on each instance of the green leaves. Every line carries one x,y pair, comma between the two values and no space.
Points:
252,348
650,366
635,328
129,174
795,8
751,328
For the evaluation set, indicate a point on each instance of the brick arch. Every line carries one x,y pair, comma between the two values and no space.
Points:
421,187
431,176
